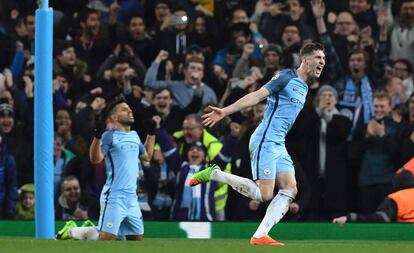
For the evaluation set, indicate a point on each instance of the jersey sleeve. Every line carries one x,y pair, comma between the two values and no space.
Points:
106,141
141,149
278,82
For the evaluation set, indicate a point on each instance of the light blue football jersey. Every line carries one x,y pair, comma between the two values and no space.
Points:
122,151
287,98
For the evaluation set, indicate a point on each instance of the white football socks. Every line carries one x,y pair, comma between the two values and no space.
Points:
84,233
242,185
275,212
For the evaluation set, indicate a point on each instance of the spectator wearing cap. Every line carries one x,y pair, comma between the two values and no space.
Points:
18,141
327,167
183,90
25,207
8,181
194,203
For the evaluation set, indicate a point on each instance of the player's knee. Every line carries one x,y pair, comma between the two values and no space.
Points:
135,237
266,195
289,191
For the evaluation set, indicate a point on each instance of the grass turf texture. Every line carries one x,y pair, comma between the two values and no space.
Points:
171,245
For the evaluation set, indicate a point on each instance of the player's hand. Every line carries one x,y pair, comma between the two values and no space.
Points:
318,8
340,221
214,116
254,205
162,56
294,207
150,125
157,120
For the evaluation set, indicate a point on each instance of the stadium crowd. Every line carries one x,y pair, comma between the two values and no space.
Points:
170,59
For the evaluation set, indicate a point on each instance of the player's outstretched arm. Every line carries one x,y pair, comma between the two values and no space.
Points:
149,144
216,114
95,154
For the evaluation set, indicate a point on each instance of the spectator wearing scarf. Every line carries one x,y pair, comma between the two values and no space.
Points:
193,203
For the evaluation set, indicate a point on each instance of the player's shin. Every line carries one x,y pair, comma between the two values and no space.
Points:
275,212
242,185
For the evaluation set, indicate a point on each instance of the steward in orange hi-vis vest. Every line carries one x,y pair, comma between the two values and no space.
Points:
397,206
405,204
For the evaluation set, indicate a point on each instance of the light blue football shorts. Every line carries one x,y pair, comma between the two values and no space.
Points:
269,159
121,217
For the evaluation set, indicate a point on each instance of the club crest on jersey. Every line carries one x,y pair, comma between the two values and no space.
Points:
276,76
266,171
109,224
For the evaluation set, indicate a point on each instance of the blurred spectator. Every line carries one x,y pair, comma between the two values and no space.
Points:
61,157
25,207
183,90
8,182
139,40
172,116
395,88
72,204
403,70
162,12
206,35
175,36
364,14
377,169
119,72
18,142
272,62
405,136
402,33
91,45
328,171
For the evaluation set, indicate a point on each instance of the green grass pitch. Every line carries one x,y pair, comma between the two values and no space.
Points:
171,245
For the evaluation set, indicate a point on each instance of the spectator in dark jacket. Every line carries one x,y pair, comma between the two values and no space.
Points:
377,169
328,168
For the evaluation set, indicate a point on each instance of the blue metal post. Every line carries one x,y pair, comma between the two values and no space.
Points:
43,120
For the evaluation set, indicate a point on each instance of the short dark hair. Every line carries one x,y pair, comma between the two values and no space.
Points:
84,14
110,108
406,62
159,90
360,50
309,48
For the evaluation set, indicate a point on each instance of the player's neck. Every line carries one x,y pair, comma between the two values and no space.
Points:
122,127
302,73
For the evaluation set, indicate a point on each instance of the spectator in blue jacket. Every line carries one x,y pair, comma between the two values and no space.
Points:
8,185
